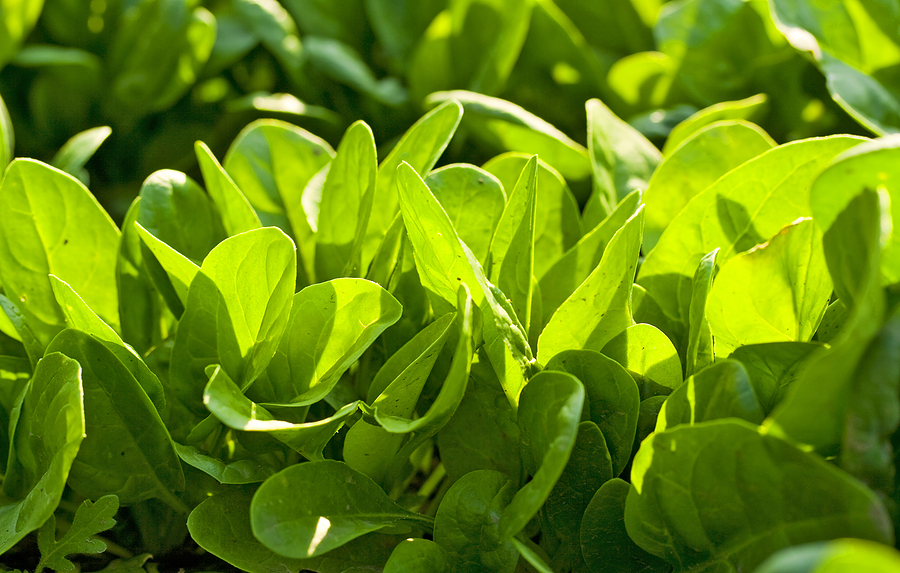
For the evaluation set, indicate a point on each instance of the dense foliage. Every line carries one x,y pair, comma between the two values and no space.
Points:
674,346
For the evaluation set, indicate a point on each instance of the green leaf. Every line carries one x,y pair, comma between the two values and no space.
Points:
21,328
78,150
507,127
694,165
80,317
870,165
548,417
236,472
835,556
748,109
417,556
649,357
90,519
773,367
170,272
331,324
276,30
343,64
722,390
420,147
139,304
346,205
398,27
7,137
348,504
700,342
532,554
557,223
776,292
744,208
567,273
42,447
16,21
696,493
236,311
612,399
512,247
221,525
467,523
234,209
622,160
473,198
127,449
52,224
601,307
227,403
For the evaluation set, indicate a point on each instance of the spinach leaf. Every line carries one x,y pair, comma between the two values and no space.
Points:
233,207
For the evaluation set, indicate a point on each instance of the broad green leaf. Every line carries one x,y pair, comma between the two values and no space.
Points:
649,356
722,390
856,46
90,519
776,292
612,399
467,523
347,505
567,273
589,466
121,424
507,127
346,205
834,556
394,391
52,224
622,160
548,417
557,224
694,165
473,199
42,446
443,262
512,247
170,271
699,351
870,165
16,21
233,207
744,208
747,109
343,64
696,493
773,367
72,156
236,472
605,544
157,51
331,324
472,44
601,307
417,556
80,317
814,409
420,147
221,525
236,312
486,413
7,137
226,401
139,304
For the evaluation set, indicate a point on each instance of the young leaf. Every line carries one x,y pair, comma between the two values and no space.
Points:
746,109
235,210
347,505
52,224
35,479
7,138
722,390
90,519
72,156
696,490
549,413
467,523
139,305
346,205
601,307
699,351
169,271
236,472
776,292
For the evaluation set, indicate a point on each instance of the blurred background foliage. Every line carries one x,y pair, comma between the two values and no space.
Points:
164,73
